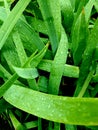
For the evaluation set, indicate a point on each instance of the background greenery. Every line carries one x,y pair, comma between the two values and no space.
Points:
48,64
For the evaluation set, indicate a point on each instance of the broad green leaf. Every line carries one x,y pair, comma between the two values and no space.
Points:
57,67
11,20
69,110
52,16
27,73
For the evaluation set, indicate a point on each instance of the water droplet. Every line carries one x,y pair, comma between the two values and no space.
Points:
49,106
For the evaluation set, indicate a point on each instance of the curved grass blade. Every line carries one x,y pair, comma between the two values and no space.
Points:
27,73
11,20
13,78
57,67
69,110
88,8
69,70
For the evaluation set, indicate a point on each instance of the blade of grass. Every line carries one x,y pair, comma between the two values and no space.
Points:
23,57
7,75
96,5
67,14
27,33
59,109
69,70
11,20
11,81
6,7
27,73
39,25
57,67
88,9
70,127
86,83
3,105
52,18
3,14
79,38
19,47
87,57
39,124
17,125
10,54
31,124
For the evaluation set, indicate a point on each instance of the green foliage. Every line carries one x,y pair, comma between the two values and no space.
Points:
48,64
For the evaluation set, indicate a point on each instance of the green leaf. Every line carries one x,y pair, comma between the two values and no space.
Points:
17,125
43,83
69,70
52,18
19,47
3,105
87,57
88,9
67,14
35,59
28,35
69,110
57,67
96,5
3,14
31,124
27,73
38,25
79,38
11,20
